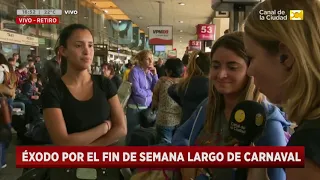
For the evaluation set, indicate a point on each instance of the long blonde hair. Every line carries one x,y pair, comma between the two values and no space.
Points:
141,56
302,38
233,42
198,65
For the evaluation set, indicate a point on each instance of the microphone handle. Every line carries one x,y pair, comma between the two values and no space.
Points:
242,173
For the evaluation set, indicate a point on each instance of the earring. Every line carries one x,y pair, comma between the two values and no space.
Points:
283,58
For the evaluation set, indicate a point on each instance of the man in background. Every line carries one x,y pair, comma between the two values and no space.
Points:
52,69
160,68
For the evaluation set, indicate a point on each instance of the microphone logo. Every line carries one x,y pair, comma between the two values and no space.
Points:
259,119
240,116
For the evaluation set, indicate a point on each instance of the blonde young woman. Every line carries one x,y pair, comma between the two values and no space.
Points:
193,88
285,63
229,84
143,78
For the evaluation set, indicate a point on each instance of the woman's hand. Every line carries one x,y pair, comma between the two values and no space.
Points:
153,70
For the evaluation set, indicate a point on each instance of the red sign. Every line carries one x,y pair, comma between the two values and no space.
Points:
194,45
37,20
206,32
159,157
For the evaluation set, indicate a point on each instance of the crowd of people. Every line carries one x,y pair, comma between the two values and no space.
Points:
271,63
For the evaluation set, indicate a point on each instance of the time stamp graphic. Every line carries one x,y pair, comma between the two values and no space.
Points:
280,15
41,16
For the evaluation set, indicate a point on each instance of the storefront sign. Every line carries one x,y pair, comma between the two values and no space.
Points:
160,35
194,45
206,32
18,39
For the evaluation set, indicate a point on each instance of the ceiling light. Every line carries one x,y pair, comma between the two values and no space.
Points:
148,27
181,30
119,21
180,37
180,21
106,11
182,4
180,41
140,17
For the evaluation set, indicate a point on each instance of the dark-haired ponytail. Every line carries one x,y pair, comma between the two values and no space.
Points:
62,41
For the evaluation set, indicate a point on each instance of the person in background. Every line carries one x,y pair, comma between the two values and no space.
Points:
143,78
22,74
127,71
193,88
16,59
168,111
29,88
160,68
8,85
39,83
284,61
229,85
108,72
30,63
185,61
52,69
38,65
32,70
12,62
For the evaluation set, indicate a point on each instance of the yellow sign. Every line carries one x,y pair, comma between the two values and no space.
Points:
240,116
259,119
296,15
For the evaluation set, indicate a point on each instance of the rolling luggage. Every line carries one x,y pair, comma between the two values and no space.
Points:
143,137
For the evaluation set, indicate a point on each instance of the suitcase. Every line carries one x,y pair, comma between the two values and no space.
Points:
143,137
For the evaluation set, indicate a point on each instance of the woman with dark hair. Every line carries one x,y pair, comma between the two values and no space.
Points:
168,111
81,109
193,88
109,72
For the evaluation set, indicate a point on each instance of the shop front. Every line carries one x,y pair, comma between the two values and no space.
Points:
18,43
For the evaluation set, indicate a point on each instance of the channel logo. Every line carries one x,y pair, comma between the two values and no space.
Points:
296,15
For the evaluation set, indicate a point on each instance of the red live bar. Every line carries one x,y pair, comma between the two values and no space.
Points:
37,20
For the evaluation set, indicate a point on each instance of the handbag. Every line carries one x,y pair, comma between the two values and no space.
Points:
147,117
5,116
